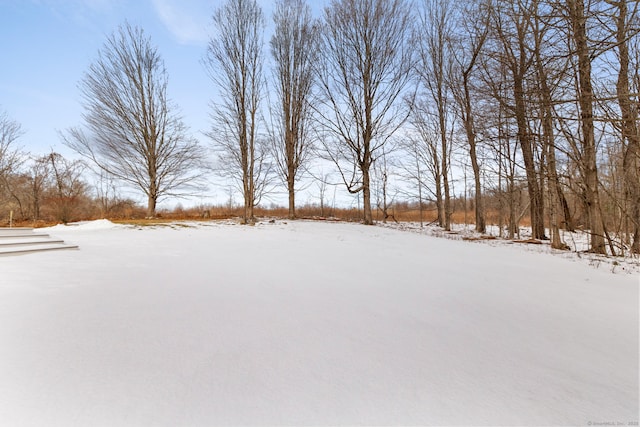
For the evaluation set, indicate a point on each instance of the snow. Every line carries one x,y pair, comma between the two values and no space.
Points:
577,243
310,323
100,224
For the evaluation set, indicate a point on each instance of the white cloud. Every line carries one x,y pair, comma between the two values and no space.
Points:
185,19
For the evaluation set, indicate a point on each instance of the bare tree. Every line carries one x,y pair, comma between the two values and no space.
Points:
294,50
497,129
107,196
434,68
512,24
234,61
10,157
424,147
547,76
68,190
383,170
412,169
577,17
323,183
364,70
629,112
133,131
39,172
466,56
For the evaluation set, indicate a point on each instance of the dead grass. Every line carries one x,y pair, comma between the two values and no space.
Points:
528,241
479,238
29,224
314,212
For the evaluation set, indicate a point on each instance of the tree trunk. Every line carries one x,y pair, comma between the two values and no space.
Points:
292,194
251,192
439,204
629,128
481,226
36,208
568,218
366,196
588,164
554,199
549,148
469,127
366,181
630,165
151,206
437,178
249,217
153,187
445,175
513,217
535,193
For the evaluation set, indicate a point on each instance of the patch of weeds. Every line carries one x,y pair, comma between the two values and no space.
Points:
178,225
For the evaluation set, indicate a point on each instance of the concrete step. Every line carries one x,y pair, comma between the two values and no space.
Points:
9,231
29,242
27,249
20,240
23,236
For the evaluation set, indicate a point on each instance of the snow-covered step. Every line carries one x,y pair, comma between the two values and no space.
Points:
32,235
26,249
17,241
24,235
9,231
29,242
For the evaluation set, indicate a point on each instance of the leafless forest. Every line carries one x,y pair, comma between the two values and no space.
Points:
516,111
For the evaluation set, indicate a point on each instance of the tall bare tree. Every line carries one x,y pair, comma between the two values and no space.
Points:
629,113
295,51
541,26
424,147
412,169
577,16
132,130
434,69
472,39
512,22
497,129
234,61
10,131
363,73
10,156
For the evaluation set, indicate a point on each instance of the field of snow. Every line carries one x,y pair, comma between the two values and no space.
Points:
311,323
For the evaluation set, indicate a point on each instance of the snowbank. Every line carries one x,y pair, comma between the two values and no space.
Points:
100,224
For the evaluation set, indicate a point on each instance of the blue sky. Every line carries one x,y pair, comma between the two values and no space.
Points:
47,45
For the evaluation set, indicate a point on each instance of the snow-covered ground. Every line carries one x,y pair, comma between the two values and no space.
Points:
577,244
311,323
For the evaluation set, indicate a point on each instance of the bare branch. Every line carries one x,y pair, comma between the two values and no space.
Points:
133,131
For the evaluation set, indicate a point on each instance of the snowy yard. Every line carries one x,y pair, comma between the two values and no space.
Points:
305,323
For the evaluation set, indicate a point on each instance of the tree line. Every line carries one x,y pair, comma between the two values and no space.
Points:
50,187
533,96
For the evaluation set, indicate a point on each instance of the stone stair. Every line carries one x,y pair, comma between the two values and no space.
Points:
19,240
